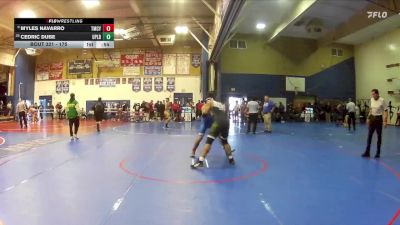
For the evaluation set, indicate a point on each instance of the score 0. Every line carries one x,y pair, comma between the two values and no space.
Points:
108,32
108,27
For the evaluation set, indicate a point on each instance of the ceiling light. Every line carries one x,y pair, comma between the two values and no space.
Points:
392,47
181,29
90,3
119,31
260,26
27,14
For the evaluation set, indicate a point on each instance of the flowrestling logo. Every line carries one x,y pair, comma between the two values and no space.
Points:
377,14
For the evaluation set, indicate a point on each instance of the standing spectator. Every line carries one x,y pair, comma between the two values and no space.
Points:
281,111
351,111
328,111
377,116
340,111
98,109
33,110
175,108
199,105
236,110
71,111
51,107
268,107
179,112
59,108
157,109
252,109
1,107
40,109
151,110
198,110
167,113
243,109
162,110
9,108
21,111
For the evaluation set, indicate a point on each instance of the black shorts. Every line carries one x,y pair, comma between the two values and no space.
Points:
219,128
98,117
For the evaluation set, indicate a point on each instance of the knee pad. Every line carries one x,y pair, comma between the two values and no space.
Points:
209,140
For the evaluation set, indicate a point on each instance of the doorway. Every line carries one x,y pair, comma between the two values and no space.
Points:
45,101
183,98
232,103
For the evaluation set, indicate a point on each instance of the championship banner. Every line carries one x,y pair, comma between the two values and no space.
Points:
56,70
80,66
107,82
196,60
169,64
65,87
131,71
132,60
136,84
153,58
59,87
152,70
170,84
62,86
158,84
183,64
147,84
42,71
153,62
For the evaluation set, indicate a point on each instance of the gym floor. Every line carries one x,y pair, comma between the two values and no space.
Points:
139,173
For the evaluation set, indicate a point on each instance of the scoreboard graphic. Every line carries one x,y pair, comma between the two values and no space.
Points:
63,33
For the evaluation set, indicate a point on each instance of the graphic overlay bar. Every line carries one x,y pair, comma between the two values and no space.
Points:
64,33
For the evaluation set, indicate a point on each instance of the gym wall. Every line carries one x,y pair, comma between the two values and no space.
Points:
183,83
371,59
261,68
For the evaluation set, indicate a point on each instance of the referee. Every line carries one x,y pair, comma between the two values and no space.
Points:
377,118
351,111
252,109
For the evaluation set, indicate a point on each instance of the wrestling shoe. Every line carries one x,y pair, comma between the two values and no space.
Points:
197,164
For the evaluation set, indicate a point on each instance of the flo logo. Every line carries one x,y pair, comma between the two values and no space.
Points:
377,14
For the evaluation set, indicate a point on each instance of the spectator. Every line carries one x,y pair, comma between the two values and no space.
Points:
9,108
268,107
236,110
243,109
21,111
328,111
51,107
98,109
59,108
71,111
351,111
252,109
162,109
377,117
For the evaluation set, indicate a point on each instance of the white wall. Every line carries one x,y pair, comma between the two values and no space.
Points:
371,59
186,84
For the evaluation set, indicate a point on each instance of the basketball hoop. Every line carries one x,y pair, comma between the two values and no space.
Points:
296,90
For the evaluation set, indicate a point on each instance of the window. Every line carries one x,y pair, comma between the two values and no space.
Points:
337,52
238,44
